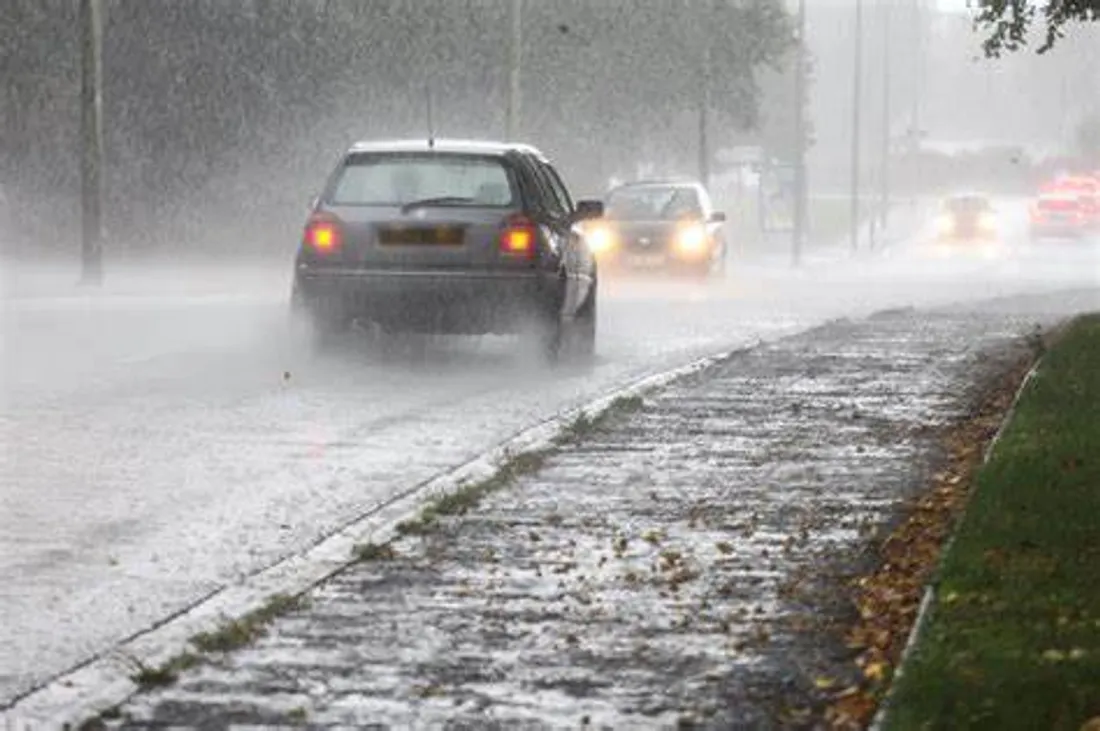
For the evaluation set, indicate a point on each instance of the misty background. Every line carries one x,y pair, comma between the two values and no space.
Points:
222,117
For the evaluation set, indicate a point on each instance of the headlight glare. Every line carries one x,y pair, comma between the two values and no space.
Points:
692,238
599,239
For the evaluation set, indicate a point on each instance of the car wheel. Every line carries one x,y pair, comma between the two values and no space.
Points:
584,326
330,323
551,339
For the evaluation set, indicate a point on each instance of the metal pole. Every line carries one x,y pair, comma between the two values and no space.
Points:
704,104
884,203
857,73
705,34
799,228
921,61
515,69
91,158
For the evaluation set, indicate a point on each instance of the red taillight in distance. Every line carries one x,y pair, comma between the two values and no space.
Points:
323,235
519,237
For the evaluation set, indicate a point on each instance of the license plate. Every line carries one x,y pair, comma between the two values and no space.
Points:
646,260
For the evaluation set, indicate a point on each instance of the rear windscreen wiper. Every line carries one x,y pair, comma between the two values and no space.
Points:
441,201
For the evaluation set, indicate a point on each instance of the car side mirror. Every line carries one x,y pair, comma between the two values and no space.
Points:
587,210
718,217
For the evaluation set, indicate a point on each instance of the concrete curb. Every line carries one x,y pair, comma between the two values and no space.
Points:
929,596
106,681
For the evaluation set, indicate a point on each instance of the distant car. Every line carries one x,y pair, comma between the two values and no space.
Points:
1087,190
1059,214
967,218
662,225
449,236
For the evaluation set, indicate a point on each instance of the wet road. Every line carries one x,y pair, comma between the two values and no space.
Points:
167,435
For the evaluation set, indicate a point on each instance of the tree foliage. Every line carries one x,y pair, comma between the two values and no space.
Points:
1008,22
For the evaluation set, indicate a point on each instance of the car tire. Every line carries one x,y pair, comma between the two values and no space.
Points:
584,326
552,339
330,323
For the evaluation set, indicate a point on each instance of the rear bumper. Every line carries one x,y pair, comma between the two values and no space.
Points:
463,301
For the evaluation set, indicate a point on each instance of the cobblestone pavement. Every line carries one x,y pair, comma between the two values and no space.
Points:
679,564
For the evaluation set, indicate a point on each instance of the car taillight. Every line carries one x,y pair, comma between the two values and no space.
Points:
518,237
324,234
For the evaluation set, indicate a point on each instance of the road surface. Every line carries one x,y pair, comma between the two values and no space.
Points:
168,434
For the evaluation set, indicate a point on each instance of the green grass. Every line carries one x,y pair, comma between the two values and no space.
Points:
1013,640
241,632
584,426
156,677
465,497
366,552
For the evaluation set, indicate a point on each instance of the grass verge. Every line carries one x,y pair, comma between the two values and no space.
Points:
1013,639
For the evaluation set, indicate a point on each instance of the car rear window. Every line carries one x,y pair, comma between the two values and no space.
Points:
395,179
652,203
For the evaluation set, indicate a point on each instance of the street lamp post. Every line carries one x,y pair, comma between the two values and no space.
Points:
799,229
857,74
515,71
704,108
884,202
91,157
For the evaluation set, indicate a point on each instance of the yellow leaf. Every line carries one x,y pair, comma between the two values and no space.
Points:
823,683
875,671
1054,655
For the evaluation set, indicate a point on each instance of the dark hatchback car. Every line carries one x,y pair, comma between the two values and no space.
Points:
668,226
449,237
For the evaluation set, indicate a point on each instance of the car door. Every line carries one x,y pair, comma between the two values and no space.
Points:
553,219
579,261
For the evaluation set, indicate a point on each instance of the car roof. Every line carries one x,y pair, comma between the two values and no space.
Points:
656,183
451,146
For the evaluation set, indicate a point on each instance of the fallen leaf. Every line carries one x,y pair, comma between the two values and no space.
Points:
876,671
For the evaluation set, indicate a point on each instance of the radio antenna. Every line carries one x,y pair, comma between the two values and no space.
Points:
428,104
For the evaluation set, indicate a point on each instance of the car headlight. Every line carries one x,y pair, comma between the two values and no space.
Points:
599,239
692,239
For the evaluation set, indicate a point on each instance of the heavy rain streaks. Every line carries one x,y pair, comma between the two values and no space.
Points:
175,429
